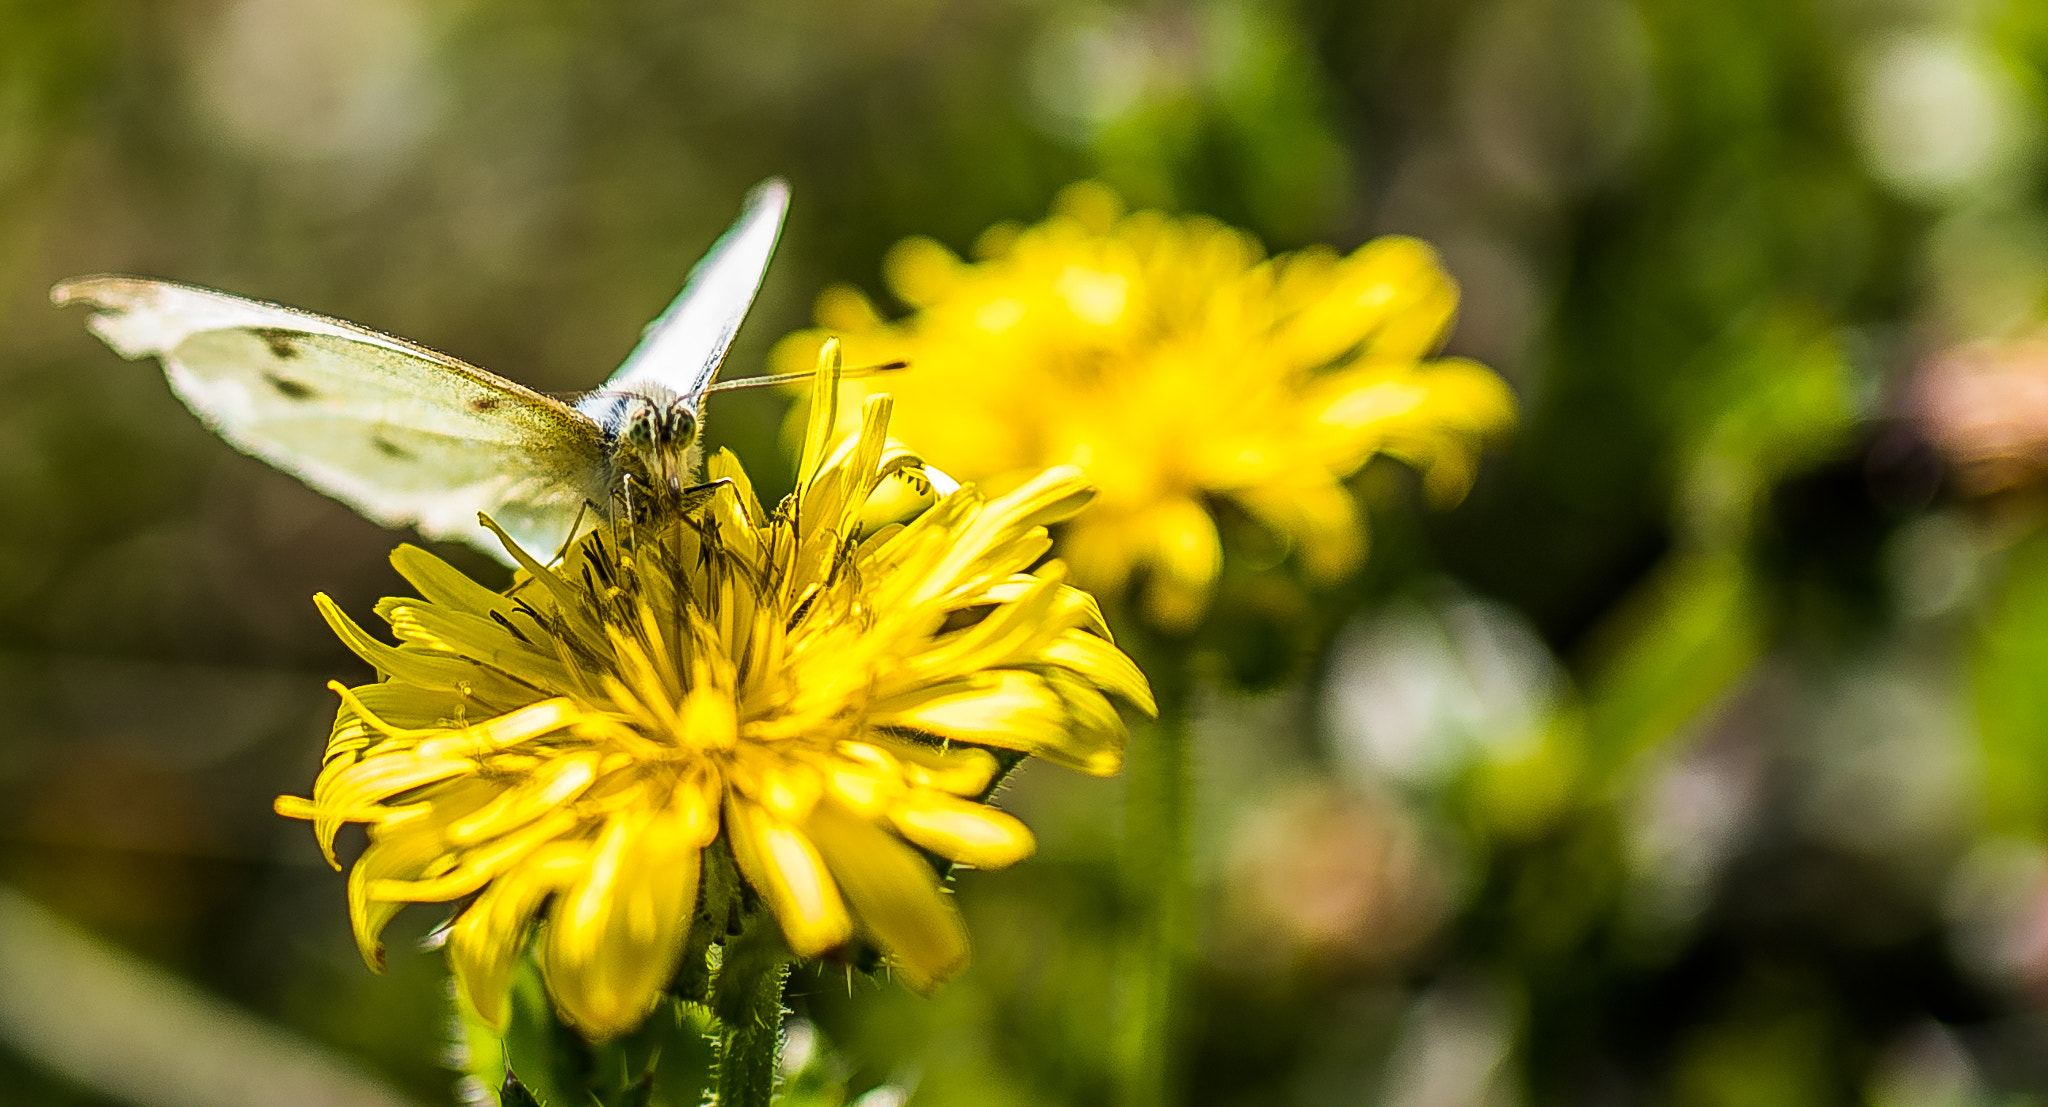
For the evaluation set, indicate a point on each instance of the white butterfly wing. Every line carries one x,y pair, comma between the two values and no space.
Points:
681,350
402,434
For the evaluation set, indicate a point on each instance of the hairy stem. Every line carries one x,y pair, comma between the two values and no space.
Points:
1157,800
749,1007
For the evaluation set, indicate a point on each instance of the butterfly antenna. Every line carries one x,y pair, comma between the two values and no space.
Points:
632,532
795,378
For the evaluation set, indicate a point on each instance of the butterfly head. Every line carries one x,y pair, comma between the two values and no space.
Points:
653,434
653,427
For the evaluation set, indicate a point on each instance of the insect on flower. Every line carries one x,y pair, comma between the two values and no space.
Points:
792,698
695,711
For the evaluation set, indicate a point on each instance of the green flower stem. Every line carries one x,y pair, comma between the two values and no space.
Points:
749,1045
748,1002
1157,786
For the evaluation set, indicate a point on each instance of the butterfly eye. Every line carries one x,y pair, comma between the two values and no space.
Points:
641,429
682,427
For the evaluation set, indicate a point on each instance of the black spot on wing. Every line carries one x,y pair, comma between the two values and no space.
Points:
485,403
391,449
291,389
283,343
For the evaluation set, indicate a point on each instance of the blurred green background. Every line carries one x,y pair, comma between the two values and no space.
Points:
1700,758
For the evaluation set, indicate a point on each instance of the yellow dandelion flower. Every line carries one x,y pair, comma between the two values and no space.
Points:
816,690
1177,365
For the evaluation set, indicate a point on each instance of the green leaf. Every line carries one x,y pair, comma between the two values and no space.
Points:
1671,650
2009,674
546,1058
515,1094
688,1055
668,1062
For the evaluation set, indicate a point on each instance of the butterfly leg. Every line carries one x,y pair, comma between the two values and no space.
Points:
638,506
626,511
697,495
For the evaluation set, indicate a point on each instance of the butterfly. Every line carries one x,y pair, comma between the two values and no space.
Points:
408,436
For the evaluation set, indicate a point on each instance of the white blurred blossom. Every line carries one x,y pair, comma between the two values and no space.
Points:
1418,690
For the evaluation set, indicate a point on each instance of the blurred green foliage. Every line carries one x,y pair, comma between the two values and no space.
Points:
1700,758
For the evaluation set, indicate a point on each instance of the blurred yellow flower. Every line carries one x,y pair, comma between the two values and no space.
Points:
1178,366
812,688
